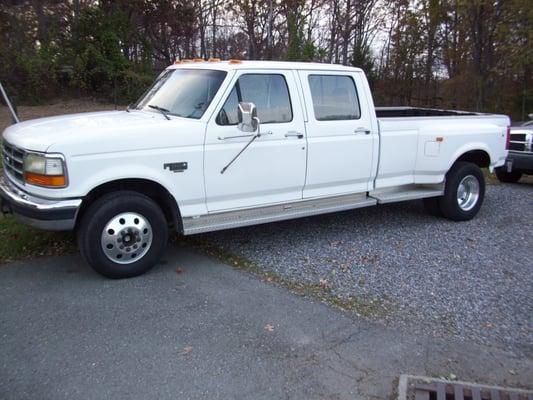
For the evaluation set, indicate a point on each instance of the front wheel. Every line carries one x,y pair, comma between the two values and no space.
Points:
464,192
123,234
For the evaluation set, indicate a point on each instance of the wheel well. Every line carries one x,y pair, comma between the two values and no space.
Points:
154,190
479,157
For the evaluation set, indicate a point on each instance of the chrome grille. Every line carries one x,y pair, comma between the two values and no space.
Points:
13,161
521,140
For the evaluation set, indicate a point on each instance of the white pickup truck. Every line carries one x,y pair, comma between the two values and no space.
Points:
223,144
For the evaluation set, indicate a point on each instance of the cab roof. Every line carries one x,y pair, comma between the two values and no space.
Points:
231,65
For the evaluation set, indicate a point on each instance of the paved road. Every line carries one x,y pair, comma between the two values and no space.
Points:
208,332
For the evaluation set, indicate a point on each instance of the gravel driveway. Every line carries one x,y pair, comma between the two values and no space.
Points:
472,280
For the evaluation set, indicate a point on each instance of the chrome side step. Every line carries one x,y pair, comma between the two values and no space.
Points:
262,215
408,192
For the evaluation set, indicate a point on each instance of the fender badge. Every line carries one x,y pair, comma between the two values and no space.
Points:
176,167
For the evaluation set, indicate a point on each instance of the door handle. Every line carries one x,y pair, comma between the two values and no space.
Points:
362,130
296,134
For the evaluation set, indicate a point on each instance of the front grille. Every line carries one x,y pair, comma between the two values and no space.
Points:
521,141
13,161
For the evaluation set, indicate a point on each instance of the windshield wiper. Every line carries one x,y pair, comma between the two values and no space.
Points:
162,110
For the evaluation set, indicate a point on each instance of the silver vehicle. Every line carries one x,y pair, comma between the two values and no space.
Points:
520,159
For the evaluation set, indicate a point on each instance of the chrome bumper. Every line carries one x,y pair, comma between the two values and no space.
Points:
41,213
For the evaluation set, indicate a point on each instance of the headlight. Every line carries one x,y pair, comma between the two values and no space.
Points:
44,170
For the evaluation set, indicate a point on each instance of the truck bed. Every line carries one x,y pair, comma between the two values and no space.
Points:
392,112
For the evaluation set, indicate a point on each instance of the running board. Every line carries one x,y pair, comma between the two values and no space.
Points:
408,192
263,215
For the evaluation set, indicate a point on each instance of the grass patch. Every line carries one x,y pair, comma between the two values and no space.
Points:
372,307
490,178
18,241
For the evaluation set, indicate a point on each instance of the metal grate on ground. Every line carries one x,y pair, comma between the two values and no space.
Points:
426,388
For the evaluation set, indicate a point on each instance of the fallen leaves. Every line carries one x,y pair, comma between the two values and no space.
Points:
449,377
324,284
186,350
269,328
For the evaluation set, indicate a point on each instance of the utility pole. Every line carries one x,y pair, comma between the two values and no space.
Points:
12,107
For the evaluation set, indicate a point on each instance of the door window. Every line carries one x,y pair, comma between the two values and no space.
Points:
334,97
270,94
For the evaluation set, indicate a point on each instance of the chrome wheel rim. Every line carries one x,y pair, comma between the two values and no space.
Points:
468,192
126,238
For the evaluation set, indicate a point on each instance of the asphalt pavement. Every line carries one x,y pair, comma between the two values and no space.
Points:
195,328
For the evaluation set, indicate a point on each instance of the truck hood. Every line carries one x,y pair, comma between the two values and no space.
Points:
40,134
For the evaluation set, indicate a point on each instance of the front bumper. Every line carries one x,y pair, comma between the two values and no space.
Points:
41,213
520,162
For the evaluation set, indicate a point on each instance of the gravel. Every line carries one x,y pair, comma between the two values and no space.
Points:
472,280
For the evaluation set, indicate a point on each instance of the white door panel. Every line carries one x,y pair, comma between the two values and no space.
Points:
270,170
339,151
333,165
397,157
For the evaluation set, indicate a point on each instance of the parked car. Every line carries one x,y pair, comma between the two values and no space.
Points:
520,158
218,145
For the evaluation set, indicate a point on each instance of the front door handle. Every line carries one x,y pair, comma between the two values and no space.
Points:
362,130
296,134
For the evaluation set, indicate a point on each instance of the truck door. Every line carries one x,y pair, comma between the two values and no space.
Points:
340,136
272,168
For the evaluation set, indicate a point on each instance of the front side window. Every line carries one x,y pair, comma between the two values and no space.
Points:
334,97
270,94
182,92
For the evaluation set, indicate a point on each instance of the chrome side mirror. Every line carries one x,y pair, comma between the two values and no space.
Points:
247,116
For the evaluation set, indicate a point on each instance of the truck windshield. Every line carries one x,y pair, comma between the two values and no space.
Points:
182,92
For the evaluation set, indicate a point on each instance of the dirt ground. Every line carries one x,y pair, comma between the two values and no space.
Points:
61,107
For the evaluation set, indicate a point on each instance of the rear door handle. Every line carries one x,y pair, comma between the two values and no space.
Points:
296,134
362,130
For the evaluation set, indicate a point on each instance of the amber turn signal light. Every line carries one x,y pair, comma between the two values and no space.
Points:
45,180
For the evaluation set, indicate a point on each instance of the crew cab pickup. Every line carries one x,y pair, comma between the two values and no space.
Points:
225,144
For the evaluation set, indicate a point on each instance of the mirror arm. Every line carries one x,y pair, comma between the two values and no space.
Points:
245,147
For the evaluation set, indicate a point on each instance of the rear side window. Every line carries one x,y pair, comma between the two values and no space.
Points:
334,97
270,94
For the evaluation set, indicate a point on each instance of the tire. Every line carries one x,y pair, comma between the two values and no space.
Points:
507,177
432,206
122,234
463,193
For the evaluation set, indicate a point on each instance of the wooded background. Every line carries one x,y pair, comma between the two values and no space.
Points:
464,54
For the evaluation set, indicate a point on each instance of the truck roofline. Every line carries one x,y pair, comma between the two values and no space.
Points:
253,64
